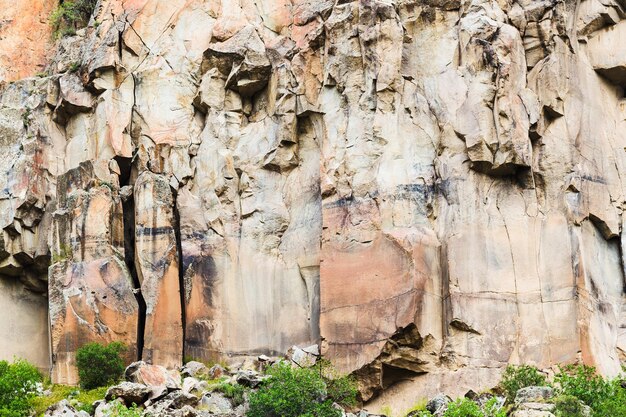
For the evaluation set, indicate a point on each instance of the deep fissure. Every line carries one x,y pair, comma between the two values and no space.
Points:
128,206
181,272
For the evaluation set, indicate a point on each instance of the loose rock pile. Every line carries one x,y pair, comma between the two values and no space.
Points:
194,390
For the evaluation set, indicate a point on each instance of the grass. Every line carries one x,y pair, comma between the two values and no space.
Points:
419,406
80,399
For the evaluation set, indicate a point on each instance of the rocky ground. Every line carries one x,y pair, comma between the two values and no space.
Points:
198,390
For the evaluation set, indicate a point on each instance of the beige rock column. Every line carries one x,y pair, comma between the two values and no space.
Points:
90,288
156,258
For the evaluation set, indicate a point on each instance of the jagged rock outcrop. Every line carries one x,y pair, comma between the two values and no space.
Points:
432,189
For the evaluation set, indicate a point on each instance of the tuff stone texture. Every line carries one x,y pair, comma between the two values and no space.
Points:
432,189
25,38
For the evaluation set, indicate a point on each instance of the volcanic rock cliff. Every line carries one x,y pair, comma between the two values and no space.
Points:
431,189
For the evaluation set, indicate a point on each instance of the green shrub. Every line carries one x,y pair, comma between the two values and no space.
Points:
614,403
292,392
342,389
463,407
568,406
493,409
71,15
119,410
518,377
582,382
18,384
233,391
99,365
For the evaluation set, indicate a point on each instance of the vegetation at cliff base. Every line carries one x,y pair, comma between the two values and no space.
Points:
300,392
71,15
518,377
19,383
99,365
79,399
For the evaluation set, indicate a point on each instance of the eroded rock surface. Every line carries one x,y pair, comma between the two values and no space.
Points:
432,189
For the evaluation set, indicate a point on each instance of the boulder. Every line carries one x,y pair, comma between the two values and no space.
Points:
533,394
216,403
303,357
438,404
152,376
194,369
179,399
64,409
249,378
130,392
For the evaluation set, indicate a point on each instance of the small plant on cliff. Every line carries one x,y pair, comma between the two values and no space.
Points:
518,377
99,365
18,387
293,392
71,15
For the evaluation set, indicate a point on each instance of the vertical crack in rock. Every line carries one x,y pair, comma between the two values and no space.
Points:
181,270
128,208
157,263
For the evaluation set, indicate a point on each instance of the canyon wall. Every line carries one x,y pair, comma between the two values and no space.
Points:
430,189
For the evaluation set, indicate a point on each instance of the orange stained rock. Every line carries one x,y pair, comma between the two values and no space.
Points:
25,37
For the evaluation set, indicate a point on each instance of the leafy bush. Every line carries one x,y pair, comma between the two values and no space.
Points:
493,409
233,391
71,15
463,407
99,365
119,410
568,406
18,386
582,382
518,377
342,389
293,392
614,403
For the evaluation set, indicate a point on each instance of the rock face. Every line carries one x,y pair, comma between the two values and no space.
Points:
25,37
432,189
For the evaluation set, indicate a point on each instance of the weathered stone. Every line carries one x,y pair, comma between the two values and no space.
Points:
533,394
152,375
438,404
242,60
216,403
195,369
64,409
531,413
249,378
179,399
303,357
130,392
606,60
432,190
25,34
